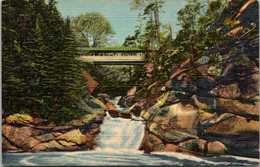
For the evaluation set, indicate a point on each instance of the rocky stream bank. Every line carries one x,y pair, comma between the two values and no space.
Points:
213,108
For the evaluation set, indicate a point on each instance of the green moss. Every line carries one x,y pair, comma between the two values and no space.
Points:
19,118
163,112
224,116
87,118
45,137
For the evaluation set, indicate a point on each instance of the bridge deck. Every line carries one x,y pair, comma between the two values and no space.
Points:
115,60
113,56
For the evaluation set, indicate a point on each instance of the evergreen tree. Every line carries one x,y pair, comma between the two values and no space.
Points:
41,73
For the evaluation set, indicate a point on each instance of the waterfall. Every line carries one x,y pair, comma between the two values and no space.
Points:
120,134
115,102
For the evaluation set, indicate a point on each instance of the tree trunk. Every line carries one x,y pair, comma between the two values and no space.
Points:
191,48
55,97
210,11
154,65
196,44
157,23
24,32
170,27
227,3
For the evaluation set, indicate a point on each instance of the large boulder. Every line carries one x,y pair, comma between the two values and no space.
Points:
19,118
136,109
150,113
197,145
45,137
110,106
173,123
172,97
20,136
6,145
239,134
74,136
203,146
114,113
151,143
216,148
48,146
29,143
90,82
238,107
234,126
179,116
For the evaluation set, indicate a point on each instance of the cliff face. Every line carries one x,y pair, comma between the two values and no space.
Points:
220,104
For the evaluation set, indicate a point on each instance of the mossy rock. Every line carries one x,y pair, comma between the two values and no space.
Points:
19,118
74,136
161,100
197,145
76,122
224,117
45,137
142,113
88,117
95,100
146,115
65,143
151,111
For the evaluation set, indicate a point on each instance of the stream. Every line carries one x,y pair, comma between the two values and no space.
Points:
118,145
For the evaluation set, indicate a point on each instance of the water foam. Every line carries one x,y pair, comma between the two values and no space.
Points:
120,134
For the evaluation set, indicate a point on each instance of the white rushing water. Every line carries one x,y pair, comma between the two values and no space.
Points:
120,134
115,101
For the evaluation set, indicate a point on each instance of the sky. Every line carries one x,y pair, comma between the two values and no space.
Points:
122,18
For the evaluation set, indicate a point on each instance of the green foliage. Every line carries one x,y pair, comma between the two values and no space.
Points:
41,74
92,27
195,17
213,58
113,80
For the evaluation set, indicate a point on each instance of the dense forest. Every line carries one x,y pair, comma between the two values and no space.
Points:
41,75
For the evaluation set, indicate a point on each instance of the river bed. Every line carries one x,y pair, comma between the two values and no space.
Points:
118,145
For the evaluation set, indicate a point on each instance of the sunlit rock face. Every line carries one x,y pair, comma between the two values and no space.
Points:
221,103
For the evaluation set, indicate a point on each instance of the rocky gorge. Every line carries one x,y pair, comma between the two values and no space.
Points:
210,109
